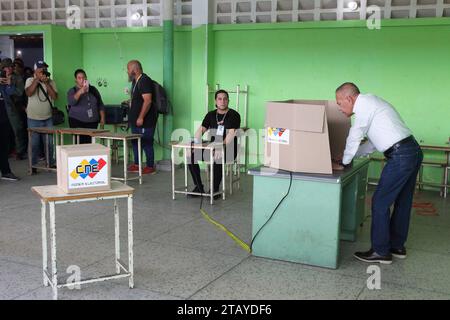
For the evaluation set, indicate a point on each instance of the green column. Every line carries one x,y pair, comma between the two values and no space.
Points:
168,61
202,59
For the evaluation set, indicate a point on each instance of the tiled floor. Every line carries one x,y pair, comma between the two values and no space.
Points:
179,255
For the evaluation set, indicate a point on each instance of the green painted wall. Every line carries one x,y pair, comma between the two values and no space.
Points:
407,66
66,58
405,62
107,52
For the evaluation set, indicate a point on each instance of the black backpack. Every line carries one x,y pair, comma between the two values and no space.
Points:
160,99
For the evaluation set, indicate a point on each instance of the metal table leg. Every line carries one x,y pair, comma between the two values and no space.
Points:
173,173
140,159
117,234
53,250
130,241
223,174
44,242
125,161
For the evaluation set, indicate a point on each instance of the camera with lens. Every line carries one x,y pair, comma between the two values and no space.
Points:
46,73
3,74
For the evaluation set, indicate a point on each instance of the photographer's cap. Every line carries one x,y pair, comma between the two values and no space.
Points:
40,65
6,63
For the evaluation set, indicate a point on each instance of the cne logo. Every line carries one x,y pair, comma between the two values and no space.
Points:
88,169
277,132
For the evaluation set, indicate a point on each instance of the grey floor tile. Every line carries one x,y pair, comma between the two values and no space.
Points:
110,290
172,270
146,225
66,214
25,251
202,235
395,292
423,270
12,230
18,279
186,256
257,278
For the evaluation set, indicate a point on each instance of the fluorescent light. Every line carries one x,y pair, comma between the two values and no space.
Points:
352,5
136,16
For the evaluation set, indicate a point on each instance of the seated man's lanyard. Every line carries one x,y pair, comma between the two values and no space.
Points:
220,125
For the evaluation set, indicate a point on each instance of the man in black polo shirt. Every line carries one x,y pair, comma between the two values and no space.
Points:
223,123
142,116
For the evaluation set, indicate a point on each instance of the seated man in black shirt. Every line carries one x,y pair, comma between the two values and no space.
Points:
223,123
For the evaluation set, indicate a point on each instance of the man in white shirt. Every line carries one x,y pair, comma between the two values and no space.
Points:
386,132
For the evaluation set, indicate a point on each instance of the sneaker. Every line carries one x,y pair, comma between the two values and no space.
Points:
373,257
10,176
33,171
398,253
198,190
148,170
133,168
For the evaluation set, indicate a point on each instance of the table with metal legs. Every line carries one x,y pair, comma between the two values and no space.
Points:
53,196
77,132
125,138
50,133
187,147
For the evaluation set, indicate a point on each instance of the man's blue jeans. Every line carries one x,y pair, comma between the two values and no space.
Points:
37,138
395,187
147,144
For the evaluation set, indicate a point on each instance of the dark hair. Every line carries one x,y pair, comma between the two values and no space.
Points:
18,61
79,71
221,91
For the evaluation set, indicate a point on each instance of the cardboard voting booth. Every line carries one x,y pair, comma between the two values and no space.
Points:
304,135
83,168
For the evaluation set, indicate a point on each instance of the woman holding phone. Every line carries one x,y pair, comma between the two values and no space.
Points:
86,109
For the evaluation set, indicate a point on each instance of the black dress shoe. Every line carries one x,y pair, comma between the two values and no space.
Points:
373,257
398,253
217,196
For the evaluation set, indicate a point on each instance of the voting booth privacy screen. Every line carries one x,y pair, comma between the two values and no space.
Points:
304,135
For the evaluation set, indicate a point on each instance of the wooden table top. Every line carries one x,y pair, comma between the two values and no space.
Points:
203,145
44,130
117,135
85,131
53,193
